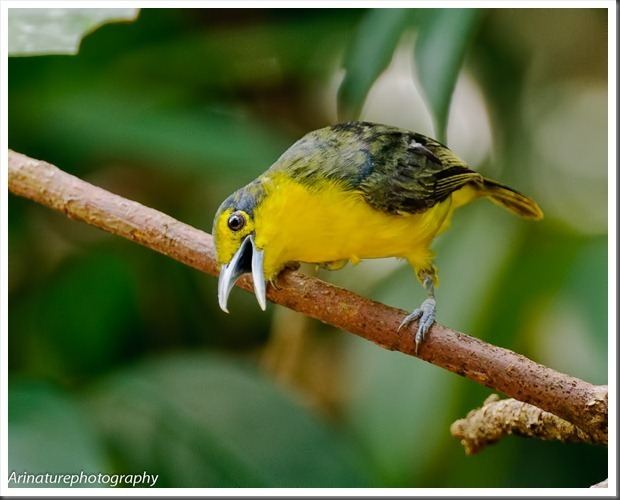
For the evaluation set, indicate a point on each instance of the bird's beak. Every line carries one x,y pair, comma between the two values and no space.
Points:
248,258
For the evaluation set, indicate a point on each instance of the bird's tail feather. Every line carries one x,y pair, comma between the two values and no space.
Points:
510,199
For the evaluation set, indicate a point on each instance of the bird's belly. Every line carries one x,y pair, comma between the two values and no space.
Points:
333,225
363,237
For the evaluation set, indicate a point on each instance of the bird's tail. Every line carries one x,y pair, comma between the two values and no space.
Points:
510,199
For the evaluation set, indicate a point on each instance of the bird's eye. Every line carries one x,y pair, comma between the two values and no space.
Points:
236,222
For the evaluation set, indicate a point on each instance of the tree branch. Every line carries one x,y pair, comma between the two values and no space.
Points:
499,418
577,401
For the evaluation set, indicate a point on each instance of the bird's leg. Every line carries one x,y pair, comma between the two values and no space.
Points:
334,265
426,312
289,266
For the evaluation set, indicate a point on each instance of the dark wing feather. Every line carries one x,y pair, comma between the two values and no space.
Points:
454,178
395,170
412,173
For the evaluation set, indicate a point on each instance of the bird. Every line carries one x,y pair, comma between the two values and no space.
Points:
347,192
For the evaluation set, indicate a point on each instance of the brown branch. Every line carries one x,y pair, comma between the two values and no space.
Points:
499,418
505,371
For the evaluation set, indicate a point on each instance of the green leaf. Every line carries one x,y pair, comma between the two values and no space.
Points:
368,56
49,433
206,421
57,31
443,35
78,322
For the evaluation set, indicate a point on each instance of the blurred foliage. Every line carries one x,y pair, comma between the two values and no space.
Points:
201,420
443,35
369,54
53,433
120,359
442,38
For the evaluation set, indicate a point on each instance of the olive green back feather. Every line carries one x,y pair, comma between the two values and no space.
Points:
395,170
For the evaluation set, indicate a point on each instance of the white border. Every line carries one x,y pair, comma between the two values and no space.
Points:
308,4
612,200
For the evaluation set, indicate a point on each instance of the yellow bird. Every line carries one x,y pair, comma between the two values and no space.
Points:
348,192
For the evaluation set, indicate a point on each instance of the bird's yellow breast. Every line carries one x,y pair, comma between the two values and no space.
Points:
324,223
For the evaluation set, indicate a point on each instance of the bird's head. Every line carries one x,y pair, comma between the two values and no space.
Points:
234,235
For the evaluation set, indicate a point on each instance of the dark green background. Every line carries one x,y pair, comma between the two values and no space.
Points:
120,359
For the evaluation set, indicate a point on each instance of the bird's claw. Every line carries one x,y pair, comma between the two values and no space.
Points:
426,314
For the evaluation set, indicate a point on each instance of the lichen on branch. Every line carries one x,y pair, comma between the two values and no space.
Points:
498,418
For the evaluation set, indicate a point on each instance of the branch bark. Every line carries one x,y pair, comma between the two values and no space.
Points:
575,400
502,417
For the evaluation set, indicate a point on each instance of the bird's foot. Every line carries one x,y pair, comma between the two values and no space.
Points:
334,265
426,314
289,266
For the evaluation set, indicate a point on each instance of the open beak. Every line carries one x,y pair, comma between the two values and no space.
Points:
248,259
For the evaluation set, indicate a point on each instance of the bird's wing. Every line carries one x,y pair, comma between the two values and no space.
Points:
395,170
411,173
